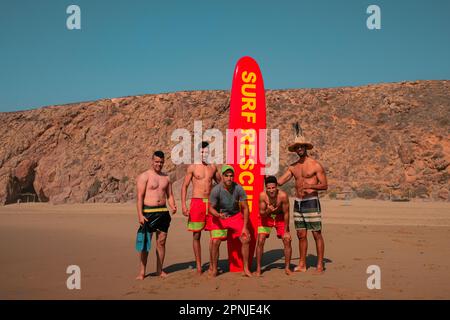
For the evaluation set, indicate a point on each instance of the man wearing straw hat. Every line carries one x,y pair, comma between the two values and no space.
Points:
309,178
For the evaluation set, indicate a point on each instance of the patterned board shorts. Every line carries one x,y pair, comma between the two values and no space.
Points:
307,214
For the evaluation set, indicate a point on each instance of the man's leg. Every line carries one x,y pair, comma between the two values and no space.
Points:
303,248
320,247
215,245
245,253
259,252
197,251
210,255
160,252
287,255
143,255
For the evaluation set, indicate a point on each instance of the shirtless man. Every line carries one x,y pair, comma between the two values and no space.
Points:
274,213
153,188
201,175
309,179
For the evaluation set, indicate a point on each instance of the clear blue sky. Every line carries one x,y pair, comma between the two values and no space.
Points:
142,46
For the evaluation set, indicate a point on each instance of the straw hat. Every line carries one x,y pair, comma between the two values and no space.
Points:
299,139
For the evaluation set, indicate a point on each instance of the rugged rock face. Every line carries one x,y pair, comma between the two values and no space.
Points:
374,140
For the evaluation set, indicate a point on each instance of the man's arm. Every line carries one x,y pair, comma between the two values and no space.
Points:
141,184
285,208
245,211
212,204
217,176
322,184
213,210
171,198
262,205
285,177
184,187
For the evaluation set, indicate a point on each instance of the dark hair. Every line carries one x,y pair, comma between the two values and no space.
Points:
204,144
271,179
158,154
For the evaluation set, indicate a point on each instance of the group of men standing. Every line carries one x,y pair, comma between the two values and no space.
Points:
219,205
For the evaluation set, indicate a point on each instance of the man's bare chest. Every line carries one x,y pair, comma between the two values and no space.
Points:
155,183
202,173
303,171
275,203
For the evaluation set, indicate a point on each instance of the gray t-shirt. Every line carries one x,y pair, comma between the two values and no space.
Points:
227,201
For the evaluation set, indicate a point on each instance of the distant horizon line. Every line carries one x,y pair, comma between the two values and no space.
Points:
205,90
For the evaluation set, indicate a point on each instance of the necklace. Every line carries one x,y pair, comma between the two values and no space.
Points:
274,204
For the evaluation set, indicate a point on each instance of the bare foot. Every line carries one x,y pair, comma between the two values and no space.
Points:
140,276
247,273
212,273
257,273
163,275
199,272
288,271
300,269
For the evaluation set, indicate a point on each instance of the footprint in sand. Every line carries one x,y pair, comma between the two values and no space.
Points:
432,267
374,258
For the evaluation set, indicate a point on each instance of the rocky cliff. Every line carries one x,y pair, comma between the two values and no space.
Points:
374,140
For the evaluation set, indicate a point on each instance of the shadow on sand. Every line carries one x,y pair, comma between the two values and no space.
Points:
268,262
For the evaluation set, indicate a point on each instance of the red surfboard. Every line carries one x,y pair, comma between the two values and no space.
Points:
246,146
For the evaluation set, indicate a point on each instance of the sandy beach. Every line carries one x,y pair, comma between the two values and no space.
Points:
408,241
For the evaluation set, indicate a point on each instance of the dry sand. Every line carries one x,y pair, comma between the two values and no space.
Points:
408,241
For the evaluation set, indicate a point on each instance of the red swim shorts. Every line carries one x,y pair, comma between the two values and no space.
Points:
197,214
221,228
266,223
